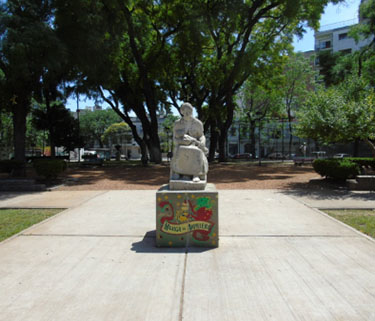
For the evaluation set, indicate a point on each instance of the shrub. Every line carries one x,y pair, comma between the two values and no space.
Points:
9,165
363,161
336,168
49,168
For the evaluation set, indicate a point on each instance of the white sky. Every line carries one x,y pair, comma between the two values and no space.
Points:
333,13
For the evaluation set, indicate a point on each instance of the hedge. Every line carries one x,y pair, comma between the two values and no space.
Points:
363,161
49,168
336,168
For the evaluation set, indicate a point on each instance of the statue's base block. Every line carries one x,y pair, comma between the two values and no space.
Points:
177,185
187,217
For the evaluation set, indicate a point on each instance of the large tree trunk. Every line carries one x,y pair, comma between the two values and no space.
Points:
222,145
19,134
224,126
144,156
50,127
154,145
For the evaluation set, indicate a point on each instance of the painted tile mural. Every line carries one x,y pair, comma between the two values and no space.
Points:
187,219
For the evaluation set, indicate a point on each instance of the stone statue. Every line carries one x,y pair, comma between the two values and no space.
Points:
189,164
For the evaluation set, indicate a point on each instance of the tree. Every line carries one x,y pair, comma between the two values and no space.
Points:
200,52
339,114
258,99
234,39
28,54
125,59
366,30
299,79
93,124
166,132
6,134
63,128
117,133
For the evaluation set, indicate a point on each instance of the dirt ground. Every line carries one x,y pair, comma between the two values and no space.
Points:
241,175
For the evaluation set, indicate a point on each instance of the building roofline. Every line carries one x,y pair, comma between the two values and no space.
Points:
337,25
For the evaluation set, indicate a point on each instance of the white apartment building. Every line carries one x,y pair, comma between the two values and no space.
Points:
335,37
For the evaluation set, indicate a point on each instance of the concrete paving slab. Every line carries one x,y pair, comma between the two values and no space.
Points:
241,212
130,213
334,199
270,212
88,278
273,278
278,260
49,199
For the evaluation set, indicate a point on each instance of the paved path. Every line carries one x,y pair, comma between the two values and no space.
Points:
278,259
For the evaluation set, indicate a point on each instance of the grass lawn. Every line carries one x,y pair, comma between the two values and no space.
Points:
362,220
13,221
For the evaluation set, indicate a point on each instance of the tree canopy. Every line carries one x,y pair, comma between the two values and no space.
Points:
339,114
161,53
144,56
93,124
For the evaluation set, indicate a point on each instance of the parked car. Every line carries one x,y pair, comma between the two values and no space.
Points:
341,155
319,154
276,156
242,156
91,158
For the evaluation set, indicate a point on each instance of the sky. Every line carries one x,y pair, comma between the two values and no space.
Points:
347,10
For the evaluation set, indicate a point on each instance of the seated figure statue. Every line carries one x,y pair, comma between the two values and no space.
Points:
189,164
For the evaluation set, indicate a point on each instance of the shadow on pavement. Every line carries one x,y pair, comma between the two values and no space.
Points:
147,245
326,194
9,195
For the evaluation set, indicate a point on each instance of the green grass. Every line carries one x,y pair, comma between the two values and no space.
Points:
13,221
362,220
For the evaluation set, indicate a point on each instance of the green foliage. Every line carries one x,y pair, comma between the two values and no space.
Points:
363,162
144,51
49,168
336,168
63,128
334,67
6,134
93,124
322,117
9,165
339,114
32,60
117,133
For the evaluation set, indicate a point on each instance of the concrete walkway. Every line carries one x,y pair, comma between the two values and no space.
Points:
278,259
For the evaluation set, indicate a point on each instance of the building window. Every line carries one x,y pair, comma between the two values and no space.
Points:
325,44
343,36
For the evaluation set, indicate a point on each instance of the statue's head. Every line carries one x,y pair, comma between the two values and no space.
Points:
186,109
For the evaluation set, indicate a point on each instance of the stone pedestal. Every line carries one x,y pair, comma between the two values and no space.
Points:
187,218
